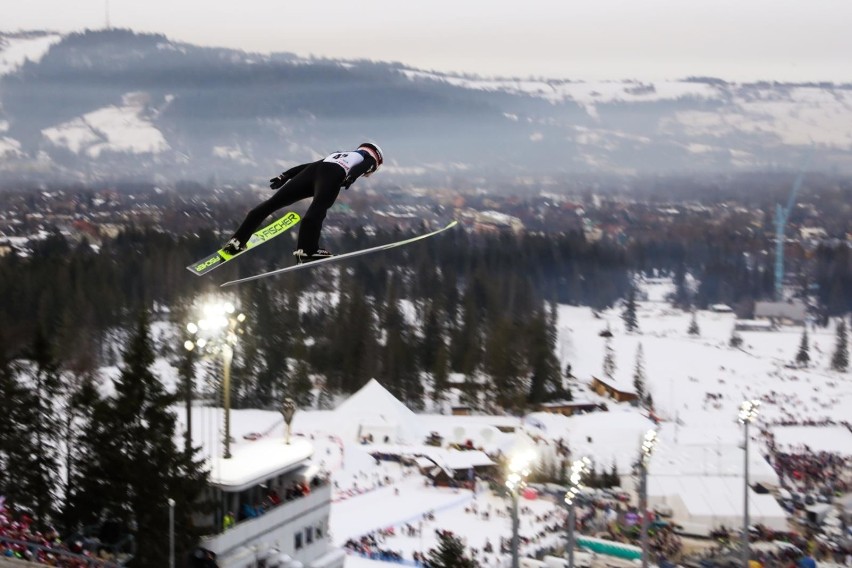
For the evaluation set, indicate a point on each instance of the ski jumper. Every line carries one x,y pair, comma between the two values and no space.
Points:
321,180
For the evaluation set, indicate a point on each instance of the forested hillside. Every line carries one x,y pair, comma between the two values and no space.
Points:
461,303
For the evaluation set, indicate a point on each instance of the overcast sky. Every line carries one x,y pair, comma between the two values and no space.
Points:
739,40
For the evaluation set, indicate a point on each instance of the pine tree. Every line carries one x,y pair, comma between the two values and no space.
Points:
639,374
693,326
432,333
135,465
41,481
609,359
803,357
325,399
450,553
83,400
441,373
545,380
502,364
631,320
466,343
736,339
840,358
399,364
682,296
301,387
15,402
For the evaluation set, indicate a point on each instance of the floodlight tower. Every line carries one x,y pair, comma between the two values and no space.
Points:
579,468
649,442
519,469
216,333
782,215
747,415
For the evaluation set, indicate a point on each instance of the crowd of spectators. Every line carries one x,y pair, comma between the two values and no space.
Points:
273,498
21,539
370,546
825,473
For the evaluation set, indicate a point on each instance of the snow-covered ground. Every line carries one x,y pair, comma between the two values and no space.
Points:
17,50
697,384
116,128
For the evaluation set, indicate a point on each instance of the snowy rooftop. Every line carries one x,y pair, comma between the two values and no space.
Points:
252,463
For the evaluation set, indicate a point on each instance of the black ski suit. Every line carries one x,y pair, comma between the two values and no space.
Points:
321,180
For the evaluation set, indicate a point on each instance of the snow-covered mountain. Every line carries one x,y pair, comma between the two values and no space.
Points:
115,104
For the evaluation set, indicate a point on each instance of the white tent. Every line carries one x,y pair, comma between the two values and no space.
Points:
374,411
704,503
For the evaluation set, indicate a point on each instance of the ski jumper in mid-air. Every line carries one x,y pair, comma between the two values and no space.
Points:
321,180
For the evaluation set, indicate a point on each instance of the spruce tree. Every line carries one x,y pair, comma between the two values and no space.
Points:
840,358
466,343
38,488
450,553
631,320
135,465
609,359
545,380
502,364
432,334
300,387
325,398
736,339
693,326
399,362
803,357
639,374
15,403
83,401
441,373
682,296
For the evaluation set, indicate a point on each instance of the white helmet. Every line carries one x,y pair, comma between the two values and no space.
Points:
380,157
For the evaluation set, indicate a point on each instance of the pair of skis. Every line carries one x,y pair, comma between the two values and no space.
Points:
289,220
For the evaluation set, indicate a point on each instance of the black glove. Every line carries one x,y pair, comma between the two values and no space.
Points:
278,182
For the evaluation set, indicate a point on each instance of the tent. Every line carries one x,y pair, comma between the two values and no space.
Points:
375,412
703,503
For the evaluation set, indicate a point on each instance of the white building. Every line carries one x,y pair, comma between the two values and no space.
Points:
279,499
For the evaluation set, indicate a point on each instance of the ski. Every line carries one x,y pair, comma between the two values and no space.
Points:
220,257
338,257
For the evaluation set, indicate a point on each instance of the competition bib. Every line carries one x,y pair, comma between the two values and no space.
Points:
346,160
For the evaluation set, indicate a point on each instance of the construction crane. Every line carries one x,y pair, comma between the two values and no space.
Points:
781,217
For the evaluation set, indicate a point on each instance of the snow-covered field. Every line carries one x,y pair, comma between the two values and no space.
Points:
697,384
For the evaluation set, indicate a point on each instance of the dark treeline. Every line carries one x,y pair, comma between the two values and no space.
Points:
482,302
92,468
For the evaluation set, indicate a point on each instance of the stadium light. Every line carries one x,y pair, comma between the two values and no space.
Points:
519,469
216,333
575,484
649,442
748,414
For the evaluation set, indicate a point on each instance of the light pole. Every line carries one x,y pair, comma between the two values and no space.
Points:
748,412
648,444
288,409
575,484
171,533
216,332
519,469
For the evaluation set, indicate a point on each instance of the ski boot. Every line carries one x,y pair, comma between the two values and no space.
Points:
233,247
303,257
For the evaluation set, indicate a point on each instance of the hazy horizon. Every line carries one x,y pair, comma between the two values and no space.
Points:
780,40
